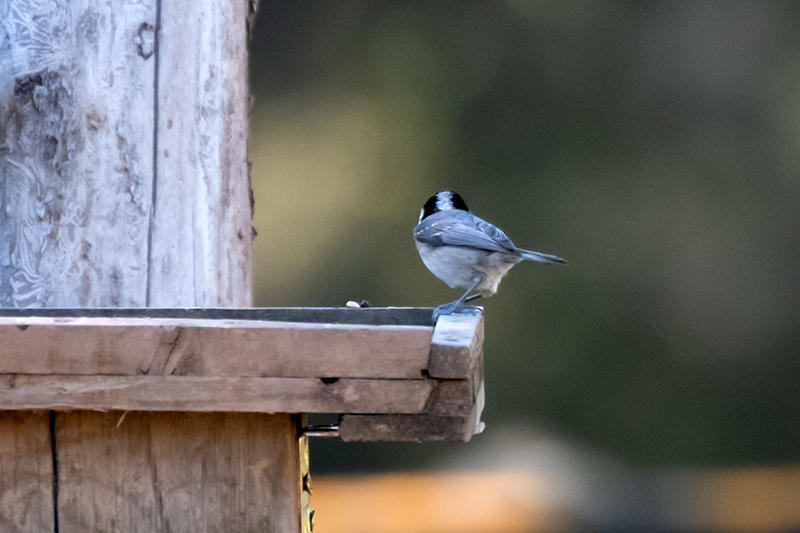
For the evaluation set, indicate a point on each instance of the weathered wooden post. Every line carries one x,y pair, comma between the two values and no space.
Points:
124,188
123,182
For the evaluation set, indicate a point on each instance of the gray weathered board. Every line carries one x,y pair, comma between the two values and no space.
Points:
388,371
204,470
123,154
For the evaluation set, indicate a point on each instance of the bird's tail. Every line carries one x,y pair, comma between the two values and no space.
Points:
541,258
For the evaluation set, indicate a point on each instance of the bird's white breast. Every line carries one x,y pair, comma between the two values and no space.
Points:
451,264
462,267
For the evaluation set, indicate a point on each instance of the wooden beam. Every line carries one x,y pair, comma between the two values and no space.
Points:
221,394
412,428
218,348
377,376
435,425
455,405
453,413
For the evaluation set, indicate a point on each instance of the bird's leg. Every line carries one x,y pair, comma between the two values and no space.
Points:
458,306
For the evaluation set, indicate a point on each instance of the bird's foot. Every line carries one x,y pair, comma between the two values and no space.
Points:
453,308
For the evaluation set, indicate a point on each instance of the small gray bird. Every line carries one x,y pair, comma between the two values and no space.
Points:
464,251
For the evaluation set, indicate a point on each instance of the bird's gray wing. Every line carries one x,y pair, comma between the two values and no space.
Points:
472,232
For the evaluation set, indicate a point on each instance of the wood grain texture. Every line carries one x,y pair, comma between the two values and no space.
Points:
76,127
453,413
456,346
97,100
201,217
187,364
429,427
192,347
406,428
177,472
26,472
123,186
260,395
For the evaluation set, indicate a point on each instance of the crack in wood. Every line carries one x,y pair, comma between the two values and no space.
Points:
176,353
54,455
166,347
154,182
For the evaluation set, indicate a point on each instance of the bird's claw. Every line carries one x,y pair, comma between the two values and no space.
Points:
453,308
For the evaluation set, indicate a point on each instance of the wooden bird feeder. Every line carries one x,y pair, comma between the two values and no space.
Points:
139,389
387,372
199,378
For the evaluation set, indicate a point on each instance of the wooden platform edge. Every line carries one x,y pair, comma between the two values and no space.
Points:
212,348
209,394
198,365
413,428
452,414
456,346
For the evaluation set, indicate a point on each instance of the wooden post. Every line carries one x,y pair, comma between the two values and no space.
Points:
123,183
124,154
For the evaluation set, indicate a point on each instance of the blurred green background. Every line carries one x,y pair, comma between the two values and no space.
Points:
654,145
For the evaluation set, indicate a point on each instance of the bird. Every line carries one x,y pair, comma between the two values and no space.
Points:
465,251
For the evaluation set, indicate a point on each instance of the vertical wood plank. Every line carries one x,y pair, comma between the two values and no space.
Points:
204,472
201,217
105,480
26,472
76,131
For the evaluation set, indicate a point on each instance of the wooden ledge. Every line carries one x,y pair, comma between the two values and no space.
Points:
371,365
